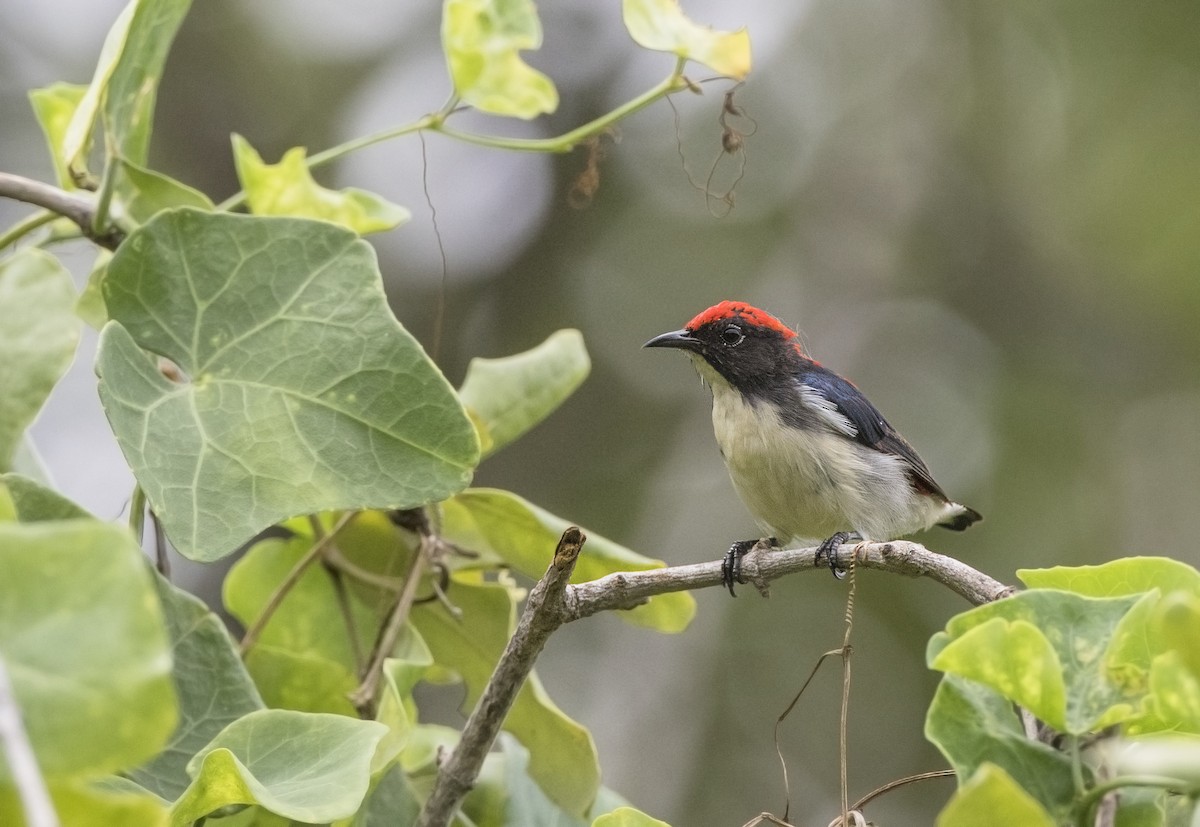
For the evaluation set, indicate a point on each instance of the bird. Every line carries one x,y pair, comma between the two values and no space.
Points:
808,454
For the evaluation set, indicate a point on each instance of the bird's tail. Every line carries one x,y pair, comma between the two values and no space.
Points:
960,517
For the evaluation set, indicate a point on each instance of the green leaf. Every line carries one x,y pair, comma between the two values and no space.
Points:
31,502
82,635
482,40
213,687
288,188
1079,630
525,536
90,305
390,803
661,25
505,793
307,622
301,392
81,805
628,817
508,396
125,82
54,107
410,661
992,799
304,682
973,726
143,193
1016,660
1129,575
563,757
1173,701
38,335
303,766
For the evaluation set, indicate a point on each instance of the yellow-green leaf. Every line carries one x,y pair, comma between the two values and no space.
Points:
482,40
506,397
990,798
54,107
288,188
524,536
661,25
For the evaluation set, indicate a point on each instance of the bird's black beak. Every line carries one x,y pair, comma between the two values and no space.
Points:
682,339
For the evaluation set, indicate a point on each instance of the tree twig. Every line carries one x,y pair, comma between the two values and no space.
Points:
553,602
626,590
542,615
79,209
22,763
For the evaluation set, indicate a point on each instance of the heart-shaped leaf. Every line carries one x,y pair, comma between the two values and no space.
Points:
482,40
292,388
662,26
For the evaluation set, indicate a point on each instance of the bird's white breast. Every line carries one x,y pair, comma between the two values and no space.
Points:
808,483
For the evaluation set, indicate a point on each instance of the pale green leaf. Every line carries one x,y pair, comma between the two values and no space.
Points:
990,798
288,188
391,802
54,107
307,623
482,40
78,804
505,794
1129,575
38,335
525,536
299,393
628,817
30,502
90,305
213,688
508,396
1016,660
410,661
305,682
972,725
1079,630
82,635
143,193
303,766
563,757
661,25
125,83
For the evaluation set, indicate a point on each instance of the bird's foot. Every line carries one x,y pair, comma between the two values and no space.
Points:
829,549
731,565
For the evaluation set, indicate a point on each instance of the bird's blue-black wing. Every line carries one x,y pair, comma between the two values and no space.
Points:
870,428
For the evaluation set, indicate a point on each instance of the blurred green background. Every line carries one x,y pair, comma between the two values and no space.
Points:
986,214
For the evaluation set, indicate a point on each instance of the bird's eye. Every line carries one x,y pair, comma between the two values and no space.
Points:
732,335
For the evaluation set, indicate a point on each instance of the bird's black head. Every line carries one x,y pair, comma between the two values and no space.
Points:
748,347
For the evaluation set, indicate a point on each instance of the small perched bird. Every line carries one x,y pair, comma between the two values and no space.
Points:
808,454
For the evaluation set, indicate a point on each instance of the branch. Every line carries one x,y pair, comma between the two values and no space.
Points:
79,209
625,590
553,603
542,615
22,763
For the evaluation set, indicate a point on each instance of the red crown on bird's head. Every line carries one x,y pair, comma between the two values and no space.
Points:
741,310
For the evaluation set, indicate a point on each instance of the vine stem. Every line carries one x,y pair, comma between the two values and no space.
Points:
289,582
26,226
436,122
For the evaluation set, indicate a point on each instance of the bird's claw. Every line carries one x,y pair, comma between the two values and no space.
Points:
829,549
731,565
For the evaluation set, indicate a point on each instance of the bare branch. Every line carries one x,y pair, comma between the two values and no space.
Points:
553,602
79,209
625,590
542,615
22,763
